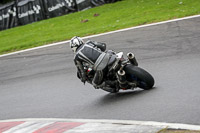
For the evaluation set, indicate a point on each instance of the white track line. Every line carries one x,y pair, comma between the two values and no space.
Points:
125,122
63,42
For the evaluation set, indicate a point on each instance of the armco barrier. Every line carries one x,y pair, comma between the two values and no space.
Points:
83,4
56,8
28,11
8,16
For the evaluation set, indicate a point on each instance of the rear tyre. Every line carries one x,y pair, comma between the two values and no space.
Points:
143,78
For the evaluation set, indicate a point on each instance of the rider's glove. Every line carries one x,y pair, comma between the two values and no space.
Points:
79,75
83,78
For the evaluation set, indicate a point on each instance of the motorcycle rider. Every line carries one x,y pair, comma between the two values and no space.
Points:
92,53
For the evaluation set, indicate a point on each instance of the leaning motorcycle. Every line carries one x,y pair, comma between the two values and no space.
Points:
123,73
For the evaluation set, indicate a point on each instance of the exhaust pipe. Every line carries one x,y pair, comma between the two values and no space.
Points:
122,78
132,59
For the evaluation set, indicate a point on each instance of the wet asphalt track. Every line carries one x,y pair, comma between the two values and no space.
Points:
43,84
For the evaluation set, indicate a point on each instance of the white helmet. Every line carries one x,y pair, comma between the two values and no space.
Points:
75,42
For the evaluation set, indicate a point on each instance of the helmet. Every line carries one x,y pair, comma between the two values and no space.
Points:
75,42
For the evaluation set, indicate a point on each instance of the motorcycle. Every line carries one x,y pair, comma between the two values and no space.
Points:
122,74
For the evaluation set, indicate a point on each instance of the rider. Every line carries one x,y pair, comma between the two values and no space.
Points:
92,53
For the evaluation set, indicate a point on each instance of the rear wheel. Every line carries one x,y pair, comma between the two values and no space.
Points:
142,77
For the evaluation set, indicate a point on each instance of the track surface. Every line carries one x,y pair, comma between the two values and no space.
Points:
43,84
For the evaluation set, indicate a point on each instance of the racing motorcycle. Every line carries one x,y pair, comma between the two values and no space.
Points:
122,74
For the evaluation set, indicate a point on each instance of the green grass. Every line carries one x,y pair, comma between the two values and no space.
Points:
123,14
177,131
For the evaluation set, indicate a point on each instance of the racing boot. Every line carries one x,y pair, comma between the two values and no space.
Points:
98,79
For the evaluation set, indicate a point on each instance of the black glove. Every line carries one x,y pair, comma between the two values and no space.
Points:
79,75
83,78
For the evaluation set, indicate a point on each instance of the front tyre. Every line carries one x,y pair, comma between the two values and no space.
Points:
111,90
142,77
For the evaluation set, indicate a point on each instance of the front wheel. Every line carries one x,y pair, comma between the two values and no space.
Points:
111,90
142,77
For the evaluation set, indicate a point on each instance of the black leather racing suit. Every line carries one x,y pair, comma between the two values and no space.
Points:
89,53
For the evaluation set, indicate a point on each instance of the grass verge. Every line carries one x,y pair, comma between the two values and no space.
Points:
123,14
177,131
